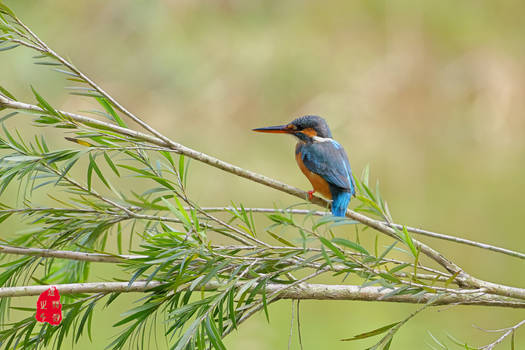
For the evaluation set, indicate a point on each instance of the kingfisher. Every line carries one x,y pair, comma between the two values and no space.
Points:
321,159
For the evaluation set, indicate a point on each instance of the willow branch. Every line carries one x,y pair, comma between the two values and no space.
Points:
304,291
451,267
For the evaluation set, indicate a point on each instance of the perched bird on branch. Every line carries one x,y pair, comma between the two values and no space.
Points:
322,160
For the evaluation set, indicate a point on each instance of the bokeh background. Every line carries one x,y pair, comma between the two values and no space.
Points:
430,94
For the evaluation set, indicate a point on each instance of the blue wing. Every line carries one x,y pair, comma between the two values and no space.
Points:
328,159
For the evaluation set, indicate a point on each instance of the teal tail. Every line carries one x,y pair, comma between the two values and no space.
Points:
340,202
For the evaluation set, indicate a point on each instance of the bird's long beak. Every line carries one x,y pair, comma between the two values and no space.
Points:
279,129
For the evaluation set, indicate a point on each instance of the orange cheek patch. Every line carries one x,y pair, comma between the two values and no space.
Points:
309,132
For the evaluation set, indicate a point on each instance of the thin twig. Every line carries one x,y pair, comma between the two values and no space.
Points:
291,327
508,331
299,325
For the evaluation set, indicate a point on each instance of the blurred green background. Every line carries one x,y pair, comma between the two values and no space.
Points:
431,94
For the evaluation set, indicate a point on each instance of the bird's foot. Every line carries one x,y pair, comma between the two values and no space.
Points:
311,194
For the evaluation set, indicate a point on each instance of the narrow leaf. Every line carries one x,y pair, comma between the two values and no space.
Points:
372,333
350,244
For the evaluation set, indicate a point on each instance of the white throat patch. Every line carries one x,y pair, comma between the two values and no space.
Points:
321,139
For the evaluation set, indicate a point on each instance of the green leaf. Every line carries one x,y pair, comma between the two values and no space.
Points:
181,168
89,175
6,10
140,311
86,94
9,47
372,333
280,219
449,280
187,336
86,316
44,104
182,210
265,303
66,72
21,159
4,217
109,108
387,250
439,343
280,239
7,116
231,307
7,93
365,175
332,247
350,244
326,257
409,242
69,166
398,267
119,238
48,63
95,167
213,334
111,164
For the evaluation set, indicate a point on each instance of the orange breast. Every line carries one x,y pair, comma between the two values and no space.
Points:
319,184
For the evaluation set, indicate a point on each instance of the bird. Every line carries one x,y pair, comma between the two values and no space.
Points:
321,159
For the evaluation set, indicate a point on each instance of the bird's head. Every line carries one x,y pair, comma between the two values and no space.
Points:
305,128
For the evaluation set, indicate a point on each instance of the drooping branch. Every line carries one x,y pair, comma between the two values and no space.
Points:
304,291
